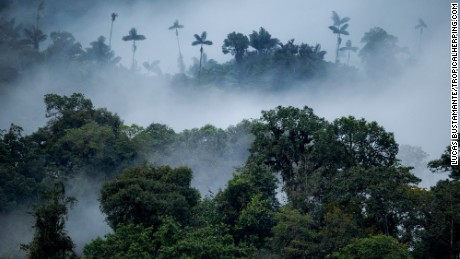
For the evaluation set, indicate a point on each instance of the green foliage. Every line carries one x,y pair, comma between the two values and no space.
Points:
169,241
359,143
339,228
79,138
378,194
128,241
440,237
144,195
294,235
50,239
18,185
374,247
284,140
443,164
255,221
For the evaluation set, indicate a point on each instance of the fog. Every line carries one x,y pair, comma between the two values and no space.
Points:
415,105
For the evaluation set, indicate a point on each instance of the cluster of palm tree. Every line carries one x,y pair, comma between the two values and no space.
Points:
261,40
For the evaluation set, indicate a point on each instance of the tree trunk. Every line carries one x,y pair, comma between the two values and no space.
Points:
201,56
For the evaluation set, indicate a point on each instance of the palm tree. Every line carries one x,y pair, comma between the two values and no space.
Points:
133,36
34,36
201,40
262,41
340,28
153,67
420,26
176,26
114,16
348,47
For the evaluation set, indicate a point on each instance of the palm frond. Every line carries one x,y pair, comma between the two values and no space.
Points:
334,29
176,25
344,20
207,42
335,18
204,35
344,27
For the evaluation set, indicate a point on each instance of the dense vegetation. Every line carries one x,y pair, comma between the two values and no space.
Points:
346,193
305,187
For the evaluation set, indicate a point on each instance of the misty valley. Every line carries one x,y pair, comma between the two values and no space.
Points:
128,133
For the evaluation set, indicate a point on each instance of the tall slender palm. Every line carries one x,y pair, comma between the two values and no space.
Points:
201,40
114,16
133,36
176,26
420,26
34,34
348,47
340,28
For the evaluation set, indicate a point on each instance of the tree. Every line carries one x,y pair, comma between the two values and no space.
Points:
113,16
374,247
201,40
357,143
100,53
35,36
236,44
133,36
379,52
420,26
127,241
339,27
175,27
294,235
262,41
443,164
153,67
63,47
377,196
348,47
284,140
50,239
248,203
440,235
145,195
18,184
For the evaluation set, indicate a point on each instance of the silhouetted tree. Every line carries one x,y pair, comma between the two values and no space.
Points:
100,52
201,40
348,47
133,36
153,67
262,41
34,36
114,16
236,44
176,26
420,26
340,28
380,52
